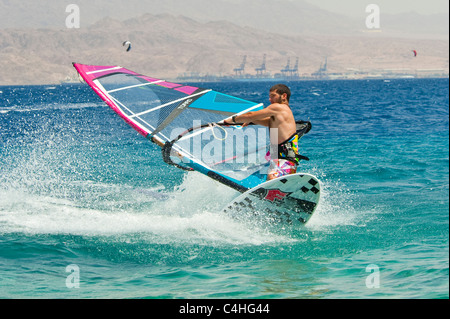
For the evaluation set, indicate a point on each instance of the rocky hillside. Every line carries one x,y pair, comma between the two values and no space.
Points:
166,45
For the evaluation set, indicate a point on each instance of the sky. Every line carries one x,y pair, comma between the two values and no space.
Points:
357,7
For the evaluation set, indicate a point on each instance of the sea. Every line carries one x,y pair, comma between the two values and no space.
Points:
88,209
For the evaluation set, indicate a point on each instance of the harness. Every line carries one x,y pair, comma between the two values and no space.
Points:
289,149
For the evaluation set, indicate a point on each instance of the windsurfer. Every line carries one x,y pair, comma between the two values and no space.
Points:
280,120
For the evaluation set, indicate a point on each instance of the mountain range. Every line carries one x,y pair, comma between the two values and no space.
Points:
196,38
287,17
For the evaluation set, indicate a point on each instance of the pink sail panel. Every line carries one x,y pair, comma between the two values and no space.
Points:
93,71
187,89
178,87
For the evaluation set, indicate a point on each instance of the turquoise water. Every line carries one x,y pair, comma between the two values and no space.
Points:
89,210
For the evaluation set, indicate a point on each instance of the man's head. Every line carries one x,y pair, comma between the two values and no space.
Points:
279,93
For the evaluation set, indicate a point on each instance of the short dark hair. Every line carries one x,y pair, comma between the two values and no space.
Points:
281,89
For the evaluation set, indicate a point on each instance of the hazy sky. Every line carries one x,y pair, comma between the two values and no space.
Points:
357,7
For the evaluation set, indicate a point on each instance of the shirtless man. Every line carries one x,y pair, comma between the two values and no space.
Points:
280,120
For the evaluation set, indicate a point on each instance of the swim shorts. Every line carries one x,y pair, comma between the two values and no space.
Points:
281,167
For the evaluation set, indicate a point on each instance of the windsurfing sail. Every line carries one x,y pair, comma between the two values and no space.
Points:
186,122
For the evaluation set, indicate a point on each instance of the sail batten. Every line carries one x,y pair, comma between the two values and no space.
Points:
172,102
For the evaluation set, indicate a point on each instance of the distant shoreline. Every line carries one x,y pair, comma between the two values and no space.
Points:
444,77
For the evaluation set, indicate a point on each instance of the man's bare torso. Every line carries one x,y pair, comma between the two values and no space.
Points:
283,122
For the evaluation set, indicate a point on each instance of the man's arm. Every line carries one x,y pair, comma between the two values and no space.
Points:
261,117
263,122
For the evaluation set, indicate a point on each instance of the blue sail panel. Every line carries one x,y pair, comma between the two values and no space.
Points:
223,103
